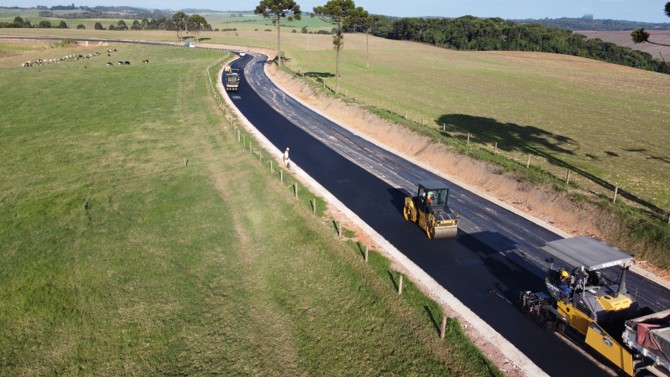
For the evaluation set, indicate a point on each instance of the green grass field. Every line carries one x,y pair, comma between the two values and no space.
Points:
139,238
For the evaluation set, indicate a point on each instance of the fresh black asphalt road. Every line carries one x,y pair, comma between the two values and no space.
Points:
496,254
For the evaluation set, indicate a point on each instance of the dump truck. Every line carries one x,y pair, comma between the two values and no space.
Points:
231,79
430,210
587,301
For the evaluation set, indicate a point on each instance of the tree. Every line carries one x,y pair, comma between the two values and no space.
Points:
19,22
366,23
197,23
180,21
342,14
641,36
98,26
81,27
121,25
62,25
44,24
278,9
136,25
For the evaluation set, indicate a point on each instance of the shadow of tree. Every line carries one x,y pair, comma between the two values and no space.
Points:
535,141
509,136
318,75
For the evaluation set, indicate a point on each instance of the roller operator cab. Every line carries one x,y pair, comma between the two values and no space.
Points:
430,210
587,300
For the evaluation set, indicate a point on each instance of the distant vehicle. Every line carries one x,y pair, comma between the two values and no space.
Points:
189,44
242,53
231,79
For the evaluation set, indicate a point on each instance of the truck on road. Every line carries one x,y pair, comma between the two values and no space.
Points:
231,79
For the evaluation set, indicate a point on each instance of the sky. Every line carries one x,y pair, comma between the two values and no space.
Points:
631,10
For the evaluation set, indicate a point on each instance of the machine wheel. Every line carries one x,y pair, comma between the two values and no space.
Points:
406,213
560,326
430,231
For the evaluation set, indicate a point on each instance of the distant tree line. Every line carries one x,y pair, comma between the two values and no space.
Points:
496,34
194,23
21,23
589,23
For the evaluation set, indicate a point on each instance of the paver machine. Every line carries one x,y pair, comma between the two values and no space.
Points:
430,210
587,301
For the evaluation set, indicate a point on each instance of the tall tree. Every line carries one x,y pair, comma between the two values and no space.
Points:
342,14
641,36
121,25
276,10
197,23
180,21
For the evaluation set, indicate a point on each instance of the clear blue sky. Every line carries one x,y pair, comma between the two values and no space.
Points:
632,10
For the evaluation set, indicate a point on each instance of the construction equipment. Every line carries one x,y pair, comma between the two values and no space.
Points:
231,79
593,308
430,209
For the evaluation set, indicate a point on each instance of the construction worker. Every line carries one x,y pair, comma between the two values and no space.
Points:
565,282
286,156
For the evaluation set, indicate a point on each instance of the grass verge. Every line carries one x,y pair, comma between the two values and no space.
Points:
140,238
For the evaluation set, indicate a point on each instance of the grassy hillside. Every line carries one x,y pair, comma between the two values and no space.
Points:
139,238
218,20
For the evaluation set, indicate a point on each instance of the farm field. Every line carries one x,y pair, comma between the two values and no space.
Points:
139,238
623,38
604,120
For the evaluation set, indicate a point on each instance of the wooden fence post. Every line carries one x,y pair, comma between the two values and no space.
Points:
399,283
567,178
281,175
528,162
468,138
295,189
366,254
616,192
443,328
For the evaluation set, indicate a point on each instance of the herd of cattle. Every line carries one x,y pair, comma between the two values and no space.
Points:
40,62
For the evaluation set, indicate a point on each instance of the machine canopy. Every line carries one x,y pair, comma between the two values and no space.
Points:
592,253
